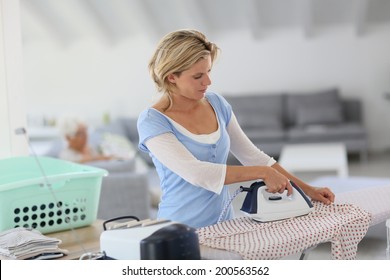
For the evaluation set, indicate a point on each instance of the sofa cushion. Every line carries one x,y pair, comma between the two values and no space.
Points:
258,120
319,115
96,135
117,146
260,111
130,127
318,133
266,134
295,102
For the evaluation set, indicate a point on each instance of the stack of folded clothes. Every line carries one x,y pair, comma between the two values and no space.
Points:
24,243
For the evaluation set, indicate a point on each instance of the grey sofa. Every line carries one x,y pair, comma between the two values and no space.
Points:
124,191
273,120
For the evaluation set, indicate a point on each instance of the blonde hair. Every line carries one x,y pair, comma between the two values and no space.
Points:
176,52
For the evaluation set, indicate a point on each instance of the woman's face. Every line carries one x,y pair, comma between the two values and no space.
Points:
193,83
80,139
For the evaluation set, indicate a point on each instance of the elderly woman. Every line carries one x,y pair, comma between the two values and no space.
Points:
75,132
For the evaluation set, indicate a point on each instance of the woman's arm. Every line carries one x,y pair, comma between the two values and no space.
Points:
212,176
175,156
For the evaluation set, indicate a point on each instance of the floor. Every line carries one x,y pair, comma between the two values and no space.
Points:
373,246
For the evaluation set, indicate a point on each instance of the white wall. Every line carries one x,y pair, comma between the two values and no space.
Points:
12,113
87,78
90,78
359,66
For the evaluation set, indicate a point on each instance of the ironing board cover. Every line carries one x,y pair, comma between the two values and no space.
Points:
375,200
344,225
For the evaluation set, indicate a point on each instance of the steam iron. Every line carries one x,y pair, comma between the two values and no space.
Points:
263,206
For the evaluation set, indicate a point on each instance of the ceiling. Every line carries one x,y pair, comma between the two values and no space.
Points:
69,21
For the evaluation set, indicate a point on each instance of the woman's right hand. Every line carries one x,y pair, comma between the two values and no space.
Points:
277,182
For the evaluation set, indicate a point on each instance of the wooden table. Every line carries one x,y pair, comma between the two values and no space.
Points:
80,240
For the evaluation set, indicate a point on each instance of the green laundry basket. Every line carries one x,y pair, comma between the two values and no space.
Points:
71,200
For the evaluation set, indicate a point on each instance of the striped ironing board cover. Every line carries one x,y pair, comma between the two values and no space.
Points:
344,225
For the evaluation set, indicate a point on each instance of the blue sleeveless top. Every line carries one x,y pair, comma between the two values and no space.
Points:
181,201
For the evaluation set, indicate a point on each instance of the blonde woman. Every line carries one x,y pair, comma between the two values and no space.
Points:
189,132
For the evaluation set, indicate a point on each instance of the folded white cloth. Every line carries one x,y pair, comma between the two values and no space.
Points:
24,243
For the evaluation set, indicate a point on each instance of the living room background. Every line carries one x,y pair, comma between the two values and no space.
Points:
95,77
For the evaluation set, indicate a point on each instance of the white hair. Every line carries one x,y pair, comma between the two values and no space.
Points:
69,126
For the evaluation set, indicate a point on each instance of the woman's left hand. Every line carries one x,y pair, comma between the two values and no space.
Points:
324,195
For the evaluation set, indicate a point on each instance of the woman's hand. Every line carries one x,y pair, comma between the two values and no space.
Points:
324,195
277,182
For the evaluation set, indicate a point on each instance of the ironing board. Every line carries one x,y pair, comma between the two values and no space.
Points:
369,193
361,205
344,225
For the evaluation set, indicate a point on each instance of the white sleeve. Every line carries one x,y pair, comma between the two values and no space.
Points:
243,148
175,156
